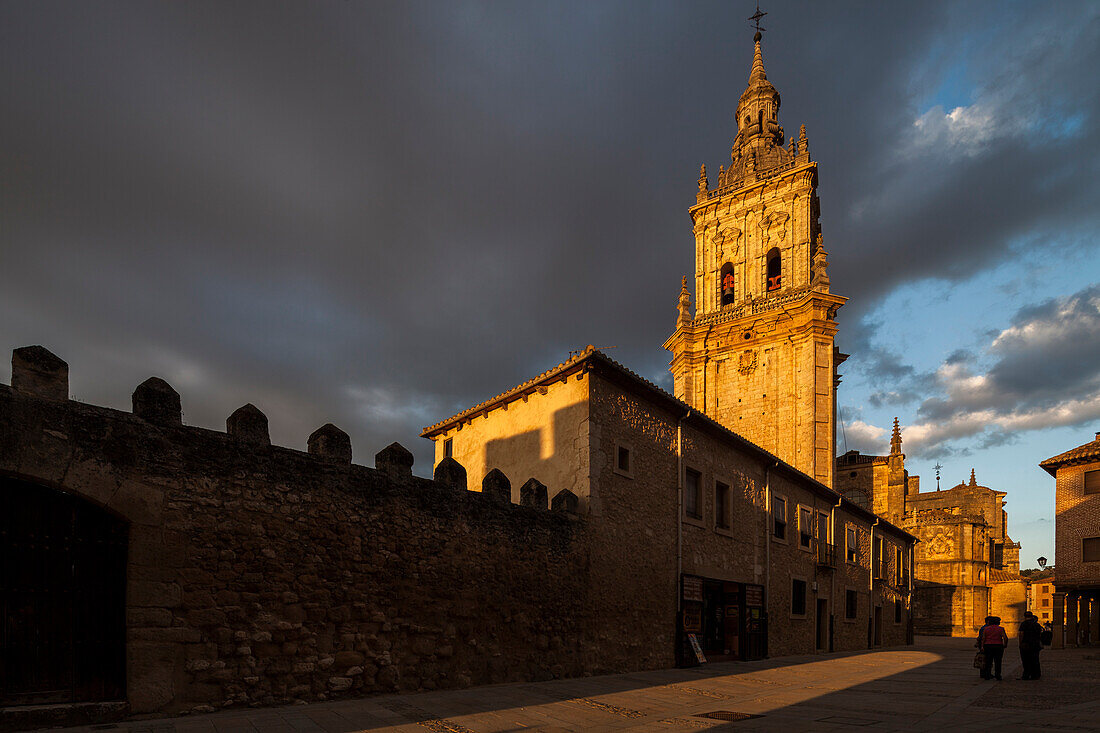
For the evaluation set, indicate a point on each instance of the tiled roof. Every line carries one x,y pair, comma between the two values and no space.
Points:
1080,454
516,391
997,575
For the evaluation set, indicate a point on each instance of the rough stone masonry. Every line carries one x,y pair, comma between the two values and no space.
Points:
260,574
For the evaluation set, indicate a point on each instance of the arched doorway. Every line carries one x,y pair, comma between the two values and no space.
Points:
62,597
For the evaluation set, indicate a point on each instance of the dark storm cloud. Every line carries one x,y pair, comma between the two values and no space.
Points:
377,214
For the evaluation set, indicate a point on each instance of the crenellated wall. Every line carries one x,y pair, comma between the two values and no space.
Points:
260,574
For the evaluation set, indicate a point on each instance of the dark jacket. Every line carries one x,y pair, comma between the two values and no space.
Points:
1030,635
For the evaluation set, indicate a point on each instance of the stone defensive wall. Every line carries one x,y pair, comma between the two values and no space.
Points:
256,574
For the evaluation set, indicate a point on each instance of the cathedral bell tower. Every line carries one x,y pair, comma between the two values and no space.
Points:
758,356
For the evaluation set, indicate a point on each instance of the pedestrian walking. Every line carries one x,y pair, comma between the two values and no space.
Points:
992,640
1031,643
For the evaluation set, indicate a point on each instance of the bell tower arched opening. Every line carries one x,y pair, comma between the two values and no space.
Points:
775,270
727,284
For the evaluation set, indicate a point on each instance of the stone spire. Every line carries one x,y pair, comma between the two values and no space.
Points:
973,480
704,184
757,74
685,304
895,439
821,271
758,108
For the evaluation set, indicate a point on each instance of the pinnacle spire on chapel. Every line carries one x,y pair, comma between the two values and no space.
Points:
895,439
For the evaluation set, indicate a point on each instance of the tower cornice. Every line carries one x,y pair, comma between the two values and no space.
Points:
763,179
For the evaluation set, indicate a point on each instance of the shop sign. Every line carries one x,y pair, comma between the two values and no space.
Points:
693,619
754,595
697,649
693,589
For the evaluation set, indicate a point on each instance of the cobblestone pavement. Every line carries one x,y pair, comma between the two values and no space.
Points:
927,687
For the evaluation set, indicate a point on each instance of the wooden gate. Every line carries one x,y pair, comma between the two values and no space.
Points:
62,598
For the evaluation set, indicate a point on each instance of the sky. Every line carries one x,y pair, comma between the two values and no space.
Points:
377,214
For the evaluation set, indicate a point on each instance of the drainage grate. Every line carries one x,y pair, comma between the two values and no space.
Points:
726,715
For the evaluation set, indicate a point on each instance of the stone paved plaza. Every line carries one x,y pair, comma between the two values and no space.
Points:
928,687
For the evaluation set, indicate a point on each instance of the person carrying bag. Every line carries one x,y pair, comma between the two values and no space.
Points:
992,640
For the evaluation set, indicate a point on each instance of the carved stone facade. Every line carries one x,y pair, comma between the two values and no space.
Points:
758,355
967,567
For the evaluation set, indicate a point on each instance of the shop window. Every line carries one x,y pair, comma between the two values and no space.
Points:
779,517
805,527
1090,549
798,597
775,270
448,448
692,499
851,604
1092,482
851,545
721,505
727,282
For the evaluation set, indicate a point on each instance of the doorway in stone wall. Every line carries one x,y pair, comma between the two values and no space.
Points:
62,598
822,624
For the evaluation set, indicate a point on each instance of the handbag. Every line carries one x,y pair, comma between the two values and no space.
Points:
979,660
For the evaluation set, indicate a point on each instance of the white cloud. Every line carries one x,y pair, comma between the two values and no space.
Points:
864,437
962,130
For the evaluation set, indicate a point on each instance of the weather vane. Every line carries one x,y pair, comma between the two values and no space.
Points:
755,18
937,467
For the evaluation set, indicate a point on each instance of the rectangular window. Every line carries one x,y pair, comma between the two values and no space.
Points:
798,597
897,612
1092,482
448,448
624,459
721,505
851,545
1090,549
692,498
805,526
899,566
851,602
996,554
779,517
1046,602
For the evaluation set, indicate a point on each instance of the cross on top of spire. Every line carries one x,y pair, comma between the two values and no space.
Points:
755,18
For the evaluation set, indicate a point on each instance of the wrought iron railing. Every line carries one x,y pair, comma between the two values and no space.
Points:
826,555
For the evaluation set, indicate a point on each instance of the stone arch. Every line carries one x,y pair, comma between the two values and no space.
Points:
726,290
775,269
63,599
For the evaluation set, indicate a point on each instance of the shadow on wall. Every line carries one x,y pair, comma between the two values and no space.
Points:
942,609
559,461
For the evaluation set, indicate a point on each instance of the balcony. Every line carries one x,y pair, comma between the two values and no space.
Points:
825,555
882,570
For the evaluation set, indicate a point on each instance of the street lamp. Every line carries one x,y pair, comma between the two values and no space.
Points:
1042,562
